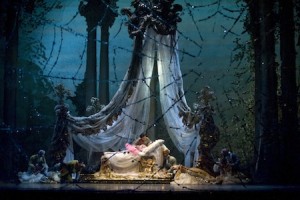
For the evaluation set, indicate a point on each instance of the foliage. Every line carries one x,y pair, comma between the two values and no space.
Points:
35,108
237,113
34,18
35,104
62,93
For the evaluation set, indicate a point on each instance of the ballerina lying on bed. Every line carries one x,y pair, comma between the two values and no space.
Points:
131,160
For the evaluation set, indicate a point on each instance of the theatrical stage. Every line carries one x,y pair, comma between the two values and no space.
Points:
145,190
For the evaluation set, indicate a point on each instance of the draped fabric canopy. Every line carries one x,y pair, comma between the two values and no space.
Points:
152,25
127,114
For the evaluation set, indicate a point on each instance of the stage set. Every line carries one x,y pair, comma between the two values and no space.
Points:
131,163
120,129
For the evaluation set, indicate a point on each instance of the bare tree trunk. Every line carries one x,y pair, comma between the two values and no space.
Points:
288,102
104,66
106,19
10,83
2,53
266,112
91,62
90,12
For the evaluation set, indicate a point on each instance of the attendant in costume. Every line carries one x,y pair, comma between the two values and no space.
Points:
169,161
38,164
228,163
70,171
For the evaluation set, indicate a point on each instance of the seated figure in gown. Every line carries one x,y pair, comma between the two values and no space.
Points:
38,164
37,170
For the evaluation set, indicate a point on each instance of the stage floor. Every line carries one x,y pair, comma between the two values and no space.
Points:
102,191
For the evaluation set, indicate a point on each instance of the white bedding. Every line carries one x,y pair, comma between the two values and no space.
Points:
127,162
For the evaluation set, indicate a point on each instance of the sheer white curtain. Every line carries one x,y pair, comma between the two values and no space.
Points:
130,107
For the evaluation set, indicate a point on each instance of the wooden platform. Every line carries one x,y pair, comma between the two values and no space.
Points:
90,178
